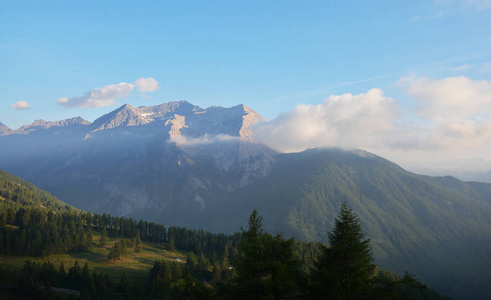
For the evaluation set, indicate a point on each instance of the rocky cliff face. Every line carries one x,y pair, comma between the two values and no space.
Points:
141,160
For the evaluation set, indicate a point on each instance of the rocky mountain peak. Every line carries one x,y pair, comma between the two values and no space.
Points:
126,115
3,128
168,109
77,120
39,122
179,117
66,122
250,117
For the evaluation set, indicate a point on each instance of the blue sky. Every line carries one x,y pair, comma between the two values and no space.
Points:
269,55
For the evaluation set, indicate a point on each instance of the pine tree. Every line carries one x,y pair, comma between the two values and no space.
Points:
191,261
117,251
203,262
103,237
61,275
137,242
217,271
225,260
171,246
345,269
213,257
88,240
86,276
266,266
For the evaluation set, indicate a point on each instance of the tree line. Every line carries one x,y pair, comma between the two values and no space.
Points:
253,264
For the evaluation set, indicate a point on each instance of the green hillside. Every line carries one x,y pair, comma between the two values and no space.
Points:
439,228
42,252
16,192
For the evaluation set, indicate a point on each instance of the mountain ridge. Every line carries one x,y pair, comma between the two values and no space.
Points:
127,116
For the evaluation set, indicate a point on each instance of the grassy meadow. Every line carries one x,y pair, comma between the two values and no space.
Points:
136,265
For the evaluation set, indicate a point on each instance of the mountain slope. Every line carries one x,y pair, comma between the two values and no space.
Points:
16,192
415,222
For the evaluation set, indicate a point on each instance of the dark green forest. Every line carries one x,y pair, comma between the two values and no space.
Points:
252,264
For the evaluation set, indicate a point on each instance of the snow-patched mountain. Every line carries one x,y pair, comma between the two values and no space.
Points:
149,158
180,118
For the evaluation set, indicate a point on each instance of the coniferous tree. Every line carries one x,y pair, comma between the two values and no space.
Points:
266,266
88,240
217,271
202,263
225,260
61,278
345,269
250,267
117,251
137,242
102,242
191,261
171,246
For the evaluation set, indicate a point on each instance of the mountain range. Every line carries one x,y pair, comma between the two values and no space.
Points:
180,164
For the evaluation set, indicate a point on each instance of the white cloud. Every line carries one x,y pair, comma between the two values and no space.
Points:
450,99
202,140
146,85
343,121
105,96
99,97
448,132
457,125
20,105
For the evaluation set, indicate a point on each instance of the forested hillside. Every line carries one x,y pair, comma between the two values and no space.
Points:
252,263
16,192
438,227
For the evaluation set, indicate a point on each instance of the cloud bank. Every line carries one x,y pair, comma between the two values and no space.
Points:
203,140
342,121
20,105
108,95
448,131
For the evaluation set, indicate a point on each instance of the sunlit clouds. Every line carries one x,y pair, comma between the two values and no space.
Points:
20,105
146,85
449,126
108,95
340,121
